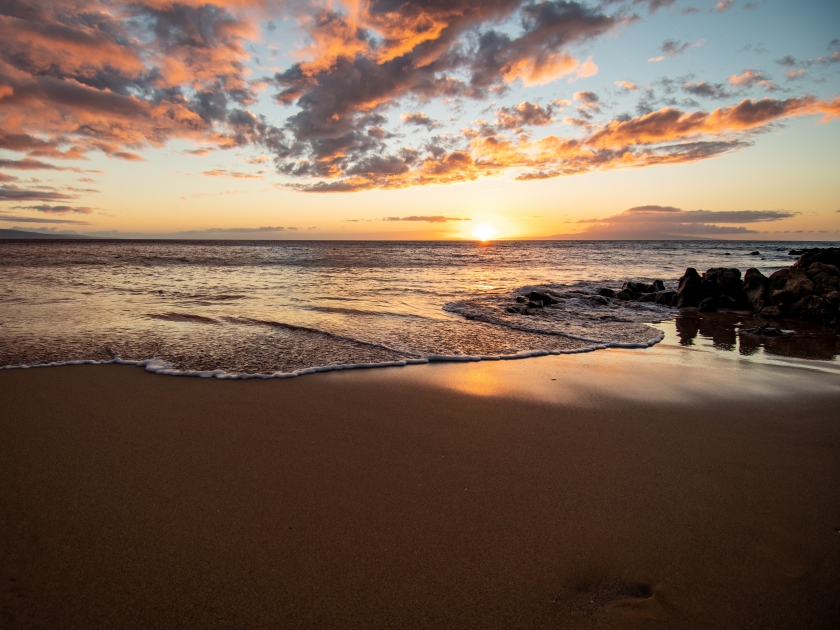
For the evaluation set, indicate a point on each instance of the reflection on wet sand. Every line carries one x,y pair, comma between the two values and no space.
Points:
807,341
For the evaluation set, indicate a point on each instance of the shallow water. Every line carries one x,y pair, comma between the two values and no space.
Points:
287,307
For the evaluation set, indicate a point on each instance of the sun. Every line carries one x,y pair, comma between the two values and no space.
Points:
484,232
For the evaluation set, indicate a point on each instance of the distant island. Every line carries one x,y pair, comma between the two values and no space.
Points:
19,234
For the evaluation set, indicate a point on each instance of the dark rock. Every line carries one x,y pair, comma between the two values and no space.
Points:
825,284
811,308
818,267
606,293
708,305
512,309
722,281
657,285
646,297
755,253
665,297
770,312
833,298
621,295
788,286
827,255
796,252
636,287
726,254
764,331
756,288
690,290
522,299
535,304
599,299
545,298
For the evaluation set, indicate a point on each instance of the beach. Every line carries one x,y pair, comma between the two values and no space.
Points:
658,488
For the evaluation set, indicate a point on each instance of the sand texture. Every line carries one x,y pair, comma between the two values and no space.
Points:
623,494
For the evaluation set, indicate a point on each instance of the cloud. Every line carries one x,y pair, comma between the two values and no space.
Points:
7,178
724,5
426,219
664,220
749,78
586,97
56,209
116,76
665,136
28,164
706,90
419,119
626,85
9,218
232,174
674,47
14,193
794,74
524,114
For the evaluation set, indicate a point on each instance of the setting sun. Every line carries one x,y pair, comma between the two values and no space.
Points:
484,232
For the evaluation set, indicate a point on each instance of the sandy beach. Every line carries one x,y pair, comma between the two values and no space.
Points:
661,488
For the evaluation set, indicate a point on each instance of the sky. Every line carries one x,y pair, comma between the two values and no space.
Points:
438,119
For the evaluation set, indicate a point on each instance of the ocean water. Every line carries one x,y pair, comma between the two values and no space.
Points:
283,308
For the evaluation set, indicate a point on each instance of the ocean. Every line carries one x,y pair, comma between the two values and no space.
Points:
285,308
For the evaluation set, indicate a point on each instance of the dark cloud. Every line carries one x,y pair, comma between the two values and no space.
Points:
420,119
586,97
706,90
672,47
56,209
655,219
423,46
28,164
9,218
14,193
426,219
524,114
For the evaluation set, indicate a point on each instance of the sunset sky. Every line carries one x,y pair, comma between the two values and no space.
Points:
390,119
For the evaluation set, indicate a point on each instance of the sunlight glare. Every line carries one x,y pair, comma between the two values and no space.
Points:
484,232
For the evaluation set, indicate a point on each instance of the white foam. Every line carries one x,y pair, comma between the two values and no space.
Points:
159,366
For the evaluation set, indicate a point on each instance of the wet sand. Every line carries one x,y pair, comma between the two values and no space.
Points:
664,488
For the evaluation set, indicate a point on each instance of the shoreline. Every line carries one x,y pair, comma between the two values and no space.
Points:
661,488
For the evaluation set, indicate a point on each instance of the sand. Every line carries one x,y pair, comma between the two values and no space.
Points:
640,489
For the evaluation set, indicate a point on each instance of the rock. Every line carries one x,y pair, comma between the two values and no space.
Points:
826,255
521,299
545,298
811,308
599,299
666,297
690,290
770,312
609,293
723,281
708,305
657,286
755,253
818,267
833,298
535,304
789,285
764,331
726,254
756,288
796,252
512,309
825,284
636,287
621,295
